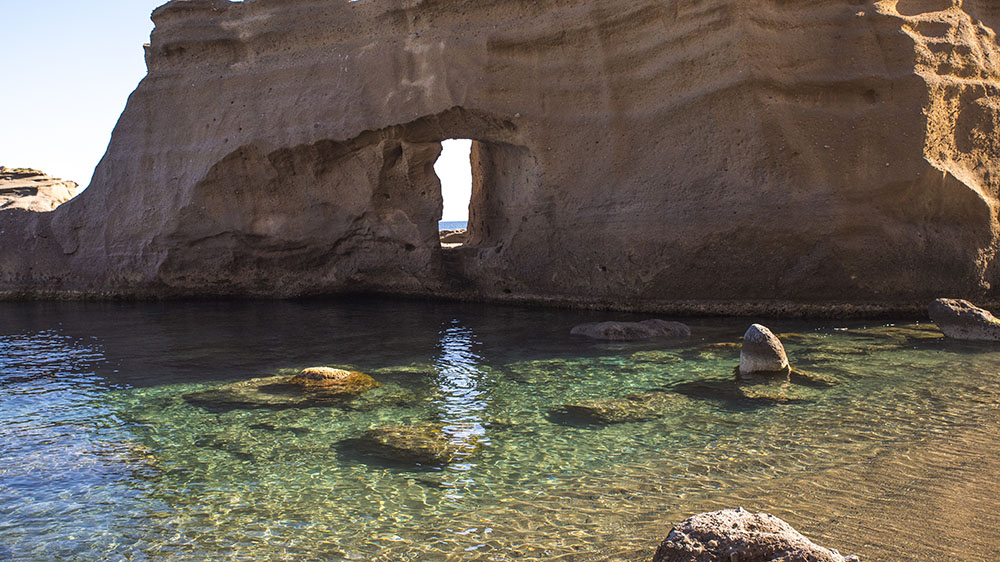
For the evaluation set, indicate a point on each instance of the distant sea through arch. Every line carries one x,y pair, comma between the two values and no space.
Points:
452,225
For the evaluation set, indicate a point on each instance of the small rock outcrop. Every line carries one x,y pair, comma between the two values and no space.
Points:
33,190
632,331
762,353
424,443
962,320
348,382
737,535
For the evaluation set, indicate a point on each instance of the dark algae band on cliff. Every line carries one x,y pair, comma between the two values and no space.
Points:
637,155
384,430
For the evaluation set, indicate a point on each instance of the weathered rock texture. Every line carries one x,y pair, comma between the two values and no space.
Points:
32,190
701,155
963,320
762,352
737,535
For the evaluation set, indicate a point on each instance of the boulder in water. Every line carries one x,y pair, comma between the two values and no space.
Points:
347,382
736,535
632,331
762,353
962,320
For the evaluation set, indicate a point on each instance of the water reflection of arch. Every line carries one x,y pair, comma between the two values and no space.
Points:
461,388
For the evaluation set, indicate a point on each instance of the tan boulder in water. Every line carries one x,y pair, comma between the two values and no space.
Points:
351,382
762,353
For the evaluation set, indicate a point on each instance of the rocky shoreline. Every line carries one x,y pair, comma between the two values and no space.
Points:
32,190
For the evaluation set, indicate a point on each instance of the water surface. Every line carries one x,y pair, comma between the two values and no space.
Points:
104,456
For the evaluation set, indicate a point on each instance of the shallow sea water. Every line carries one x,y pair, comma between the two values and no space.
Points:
104,456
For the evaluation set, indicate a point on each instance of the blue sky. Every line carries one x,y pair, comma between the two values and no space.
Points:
67,68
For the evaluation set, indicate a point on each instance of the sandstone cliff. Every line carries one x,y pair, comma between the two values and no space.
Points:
32,190
713,155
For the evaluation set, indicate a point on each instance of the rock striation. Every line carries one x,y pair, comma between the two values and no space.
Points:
32,190
737,156
962,320
737,535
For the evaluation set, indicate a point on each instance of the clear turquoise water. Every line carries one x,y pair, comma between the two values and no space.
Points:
452,225
103,458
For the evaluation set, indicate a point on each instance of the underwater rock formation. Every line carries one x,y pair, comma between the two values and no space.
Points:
425,443
632,408
762,353
312,387
732,156
632,331
737,535
335,380
962,320
32,190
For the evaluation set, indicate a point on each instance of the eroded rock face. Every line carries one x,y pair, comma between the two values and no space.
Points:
632,331
736,535
762,353
33,190
962,320
826,155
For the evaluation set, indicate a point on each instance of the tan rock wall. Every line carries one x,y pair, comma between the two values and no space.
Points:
698,154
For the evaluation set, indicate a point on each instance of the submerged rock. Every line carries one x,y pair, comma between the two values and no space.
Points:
736,535
312,389
335,380
768,394
424,443
762,353
632,408
632,331
962,320
811,378
738,396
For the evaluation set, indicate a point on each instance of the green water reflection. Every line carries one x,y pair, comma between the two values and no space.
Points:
106,457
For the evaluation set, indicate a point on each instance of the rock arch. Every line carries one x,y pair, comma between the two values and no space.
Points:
691,155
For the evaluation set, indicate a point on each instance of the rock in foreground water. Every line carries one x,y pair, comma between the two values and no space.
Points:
962,320
632,331
736,535
762,353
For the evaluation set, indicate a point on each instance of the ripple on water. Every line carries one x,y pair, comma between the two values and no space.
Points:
93,471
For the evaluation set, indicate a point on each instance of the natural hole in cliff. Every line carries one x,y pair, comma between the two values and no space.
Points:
454,170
